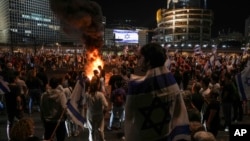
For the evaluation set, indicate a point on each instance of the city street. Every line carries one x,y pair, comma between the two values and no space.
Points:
114,135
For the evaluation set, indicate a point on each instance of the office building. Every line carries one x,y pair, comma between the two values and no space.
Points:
184,23
28,22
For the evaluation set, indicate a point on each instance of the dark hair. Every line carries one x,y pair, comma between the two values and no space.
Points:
214,93
93,87
215,77
154,54
206,81
194,115
197,87
53,82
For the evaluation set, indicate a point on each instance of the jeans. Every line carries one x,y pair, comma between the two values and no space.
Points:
118,113
227,113
35,96
96,128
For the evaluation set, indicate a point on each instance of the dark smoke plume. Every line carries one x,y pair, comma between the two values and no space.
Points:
83,16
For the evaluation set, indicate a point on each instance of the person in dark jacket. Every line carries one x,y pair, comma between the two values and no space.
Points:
14,103
34,85
53,105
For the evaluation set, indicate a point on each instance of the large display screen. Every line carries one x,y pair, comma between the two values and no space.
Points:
126,36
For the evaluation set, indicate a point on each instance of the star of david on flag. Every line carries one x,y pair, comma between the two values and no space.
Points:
155,109
74,105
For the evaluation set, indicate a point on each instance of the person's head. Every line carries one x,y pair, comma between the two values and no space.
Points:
22,129
204,136
214,78
214,94
93,87
205,82
153,56
53,82
197,87
96,72
9,65
100,67
115,71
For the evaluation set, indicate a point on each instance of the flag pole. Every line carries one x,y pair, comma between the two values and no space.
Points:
57,125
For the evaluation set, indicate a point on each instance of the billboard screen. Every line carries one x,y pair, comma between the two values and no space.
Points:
126,36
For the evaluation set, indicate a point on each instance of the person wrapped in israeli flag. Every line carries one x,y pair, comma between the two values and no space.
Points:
155,109
75,103
243,82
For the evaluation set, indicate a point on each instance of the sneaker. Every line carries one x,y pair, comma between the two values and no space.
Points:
226,129
123,137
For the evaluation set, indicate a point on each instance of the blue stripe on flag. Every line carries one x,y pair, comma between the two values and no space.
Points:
157,82
178,130
241,88
77,115
3,88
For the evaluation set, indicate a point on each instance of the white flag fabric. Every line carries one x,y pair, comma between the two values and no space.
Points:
155,109
74,104
197,50
243,82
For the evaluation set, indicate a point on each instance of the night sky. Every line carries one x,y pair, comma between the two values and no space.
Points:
229,15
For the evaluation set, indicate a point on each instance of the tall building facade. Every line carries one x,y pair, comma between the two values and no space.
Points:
28,22
184,22
247,29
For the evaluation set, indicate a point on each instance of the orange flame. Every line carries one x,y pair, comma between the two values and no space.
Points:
93,61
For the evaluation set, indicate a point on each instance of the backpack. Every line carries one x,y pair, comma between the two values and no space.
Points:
119,98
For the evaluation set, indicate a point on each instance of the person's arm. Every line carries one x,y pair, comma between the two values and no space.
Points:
105,103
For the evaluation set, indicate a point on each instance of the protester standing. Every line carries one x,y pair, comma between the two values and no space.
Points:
53,114
118,99
212,114
155,109
14,103
96,105
227,99
34,85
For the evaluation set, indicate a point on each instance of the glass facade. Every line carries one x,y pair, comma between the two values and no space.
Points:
26,22
186,25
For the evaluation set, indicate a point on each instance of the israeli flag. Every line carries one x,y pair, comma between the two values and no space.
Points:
243,82
74,104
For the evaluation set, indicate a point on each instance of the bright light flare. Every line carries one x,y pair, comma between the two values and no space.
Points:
93,61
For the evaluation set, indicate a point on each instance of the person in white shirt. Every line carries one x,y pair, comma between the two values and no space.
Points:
97,105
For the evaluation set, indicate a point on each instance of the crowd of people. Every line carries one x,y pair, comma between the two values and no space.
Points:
174,93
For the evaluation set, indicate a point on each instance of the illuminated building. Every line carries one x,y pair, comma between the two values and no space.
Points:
184,23
27,22
125,34
247,29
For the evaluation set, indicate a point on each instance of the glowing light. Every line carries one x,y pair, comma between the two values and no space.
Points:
93,61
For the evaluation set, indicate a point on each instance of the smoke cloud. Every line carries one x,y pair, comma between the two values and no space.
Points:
83,16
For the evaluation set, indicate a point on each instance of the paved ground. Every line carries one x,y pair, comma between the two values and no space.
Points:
114,135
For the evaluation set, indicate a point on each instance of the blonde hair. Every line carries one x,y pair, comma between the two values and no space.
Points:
22,129
204,136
